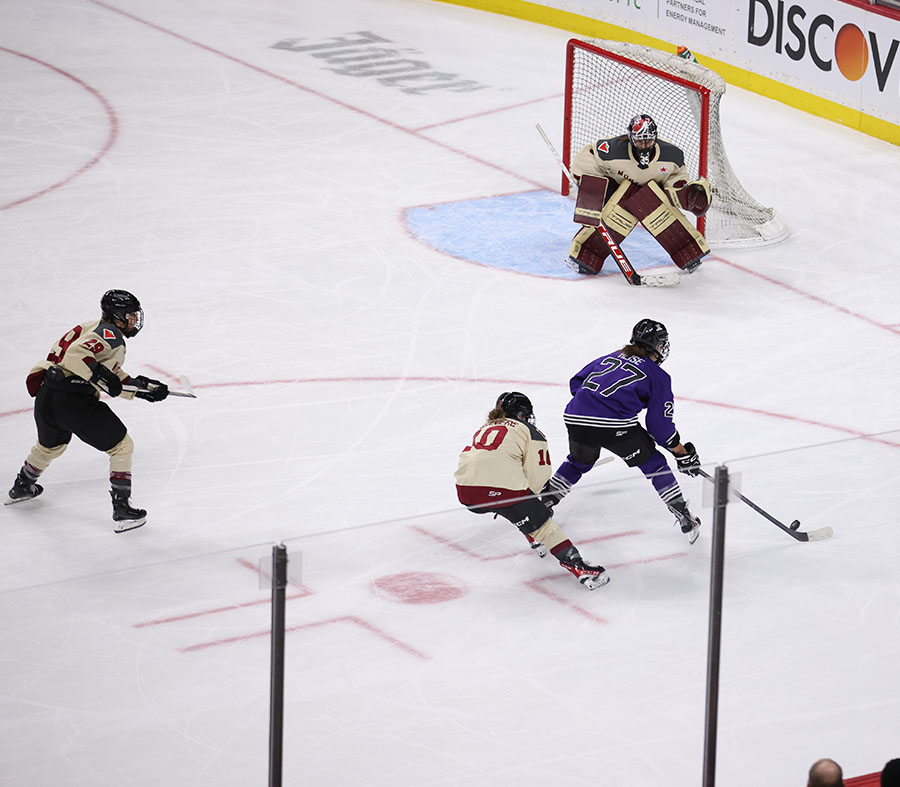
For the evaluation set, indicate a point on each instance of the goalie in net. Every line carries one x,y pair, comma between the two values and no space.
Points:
637,177
608,81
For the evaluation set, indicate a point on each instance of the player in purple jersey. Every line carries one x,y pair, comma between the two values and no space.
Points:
607,396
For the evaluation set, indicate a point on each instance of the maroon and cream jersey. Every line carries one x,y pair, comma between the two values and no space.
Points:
96,341
505,460
614,159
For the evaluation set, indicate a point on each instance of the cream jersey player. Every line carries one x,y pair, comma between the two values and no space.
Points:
66,388
501,471
97,341
505,460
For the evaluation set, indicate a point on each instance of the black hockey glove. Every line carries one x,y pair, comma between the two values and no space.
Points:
150,390
156,392
105,379
689,463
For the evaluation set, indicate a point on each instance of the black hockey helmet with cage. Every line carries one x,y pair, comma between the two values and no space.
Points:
642,128
516,405
117,306
653,336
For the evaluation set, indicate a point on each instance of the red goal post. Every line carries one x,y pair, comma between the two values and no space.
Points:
608,82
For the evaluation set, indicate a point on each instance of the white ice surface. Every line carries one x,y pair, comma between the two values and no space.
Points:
255,202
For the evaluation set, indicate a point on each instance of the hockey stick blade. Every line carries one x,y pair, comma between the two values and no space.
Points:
186,384
660,279
813,535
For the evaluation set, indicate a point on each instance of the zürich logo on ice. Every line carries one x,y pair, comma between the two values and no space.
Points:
363,54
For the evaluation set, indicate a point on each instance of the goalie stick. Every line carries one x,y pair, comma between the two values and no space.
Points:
792,529
628,271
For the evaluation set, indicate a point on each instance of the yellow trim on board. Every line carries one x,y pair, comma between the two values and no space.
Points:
765,86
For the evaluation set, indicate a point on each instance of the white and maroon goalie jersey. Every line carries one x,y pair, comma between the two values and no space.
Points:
613,158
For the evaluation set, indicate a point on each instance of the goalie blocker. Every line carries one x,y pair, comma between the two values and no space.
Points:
630,204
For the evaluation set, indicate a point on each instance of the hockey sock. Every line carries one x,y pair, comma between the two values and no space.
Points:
121,484
570,472
30,472
660,475
565,550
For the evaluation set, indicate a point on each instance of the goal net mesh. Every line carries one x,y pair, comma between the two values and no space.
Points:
608,82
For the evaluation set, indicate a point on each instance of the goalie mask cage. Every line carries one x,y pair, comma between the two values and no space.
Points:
608,82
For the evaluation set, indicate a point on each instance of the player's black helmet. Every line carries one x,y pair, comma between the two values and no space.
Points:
642,128
516,405
652,335
119,305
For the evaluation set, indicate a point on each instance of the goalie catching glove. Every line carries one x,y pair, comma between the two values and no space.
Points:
149,389
694,196
688,463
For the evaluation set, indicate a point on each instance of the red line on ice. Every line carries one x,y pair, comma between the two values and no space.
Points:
110,139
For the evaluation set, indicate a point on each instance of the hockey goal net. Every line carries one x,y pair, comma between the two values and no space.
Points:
608,82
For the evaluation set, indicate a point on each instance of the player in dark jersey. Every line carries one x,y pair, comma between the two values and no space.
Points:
637,177
607,397
66,386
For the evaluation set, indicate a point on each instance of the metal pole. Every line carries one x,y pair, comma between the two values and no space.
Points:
715,626
276,689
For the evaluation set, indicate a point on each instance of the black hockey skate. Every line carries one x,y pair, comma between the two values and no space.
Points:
22,490
693,265
688,522
126,517
580,267
589,575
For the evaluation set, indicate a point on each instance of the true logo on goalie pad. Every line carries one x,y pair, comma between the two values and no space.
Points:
589,203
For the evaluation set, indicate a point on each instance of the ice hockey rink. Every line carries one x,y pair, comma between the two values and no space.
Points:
270,209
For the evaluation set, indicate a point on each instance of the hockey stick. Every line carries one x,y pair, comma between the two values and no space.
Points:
135,389
628,271
792,529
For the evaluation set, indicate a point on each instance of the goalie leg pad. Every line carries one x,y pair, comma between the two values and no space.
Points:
617,215
592,192
681,240
588,252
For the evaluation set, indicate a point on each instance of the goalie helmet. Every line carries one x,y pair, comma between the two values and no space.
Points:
642,129
653,336
120,306
516,405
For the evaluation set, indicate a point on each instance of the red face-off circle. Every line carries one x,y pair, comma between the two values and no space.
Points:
417,587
